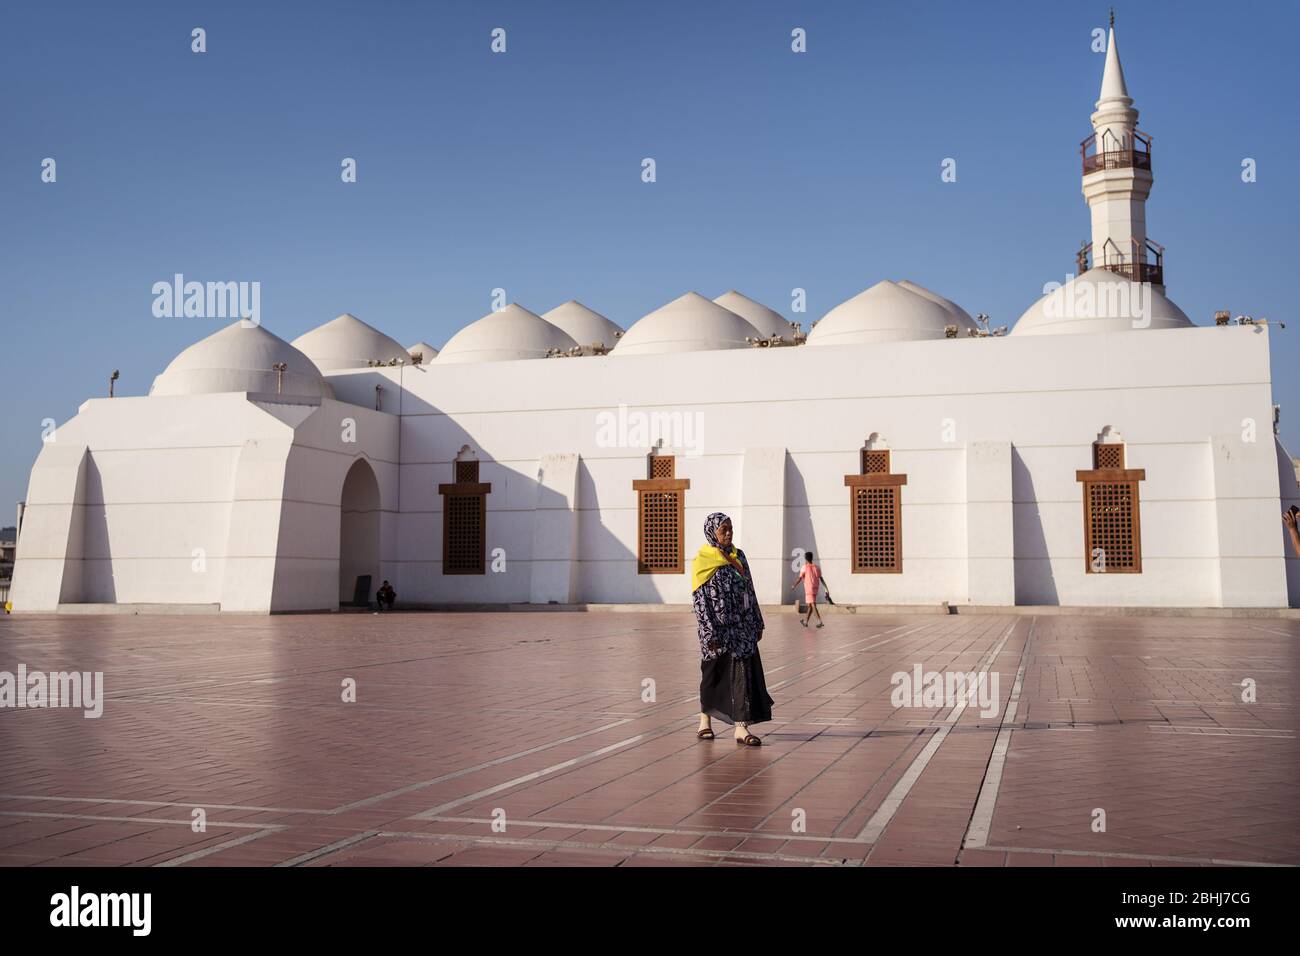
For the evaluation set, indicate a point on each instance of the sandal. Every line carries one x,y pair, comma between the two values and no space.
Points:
704,733
749,740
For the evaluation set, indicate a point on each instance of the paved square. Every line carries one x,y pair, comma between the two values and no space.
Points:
542,723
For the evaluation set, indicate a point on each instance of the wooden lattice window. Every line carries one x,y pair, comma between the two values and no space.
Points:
875,462
464,539
663,466
1108,455
661,505
875,515
1112,534
1112,529
876,530
464,521
659,532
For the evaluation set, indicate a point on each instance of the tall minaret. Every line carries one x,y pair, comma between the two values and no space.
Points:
1117,179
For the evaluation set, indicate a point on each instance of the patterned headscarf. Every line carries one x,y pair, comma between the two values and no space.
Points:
711,525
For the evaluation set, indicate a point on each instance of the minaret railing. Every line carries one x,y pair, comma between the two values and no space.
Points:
1135,156
1136,267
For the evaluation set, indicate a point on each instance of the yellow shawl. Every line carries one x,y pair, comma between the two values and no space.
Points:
708,560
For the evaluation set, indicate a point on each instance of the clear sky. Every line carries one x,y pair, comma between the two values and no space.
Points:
522,170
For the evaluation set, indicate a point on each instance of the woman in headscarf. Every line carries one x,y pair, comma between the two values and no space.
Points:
732,687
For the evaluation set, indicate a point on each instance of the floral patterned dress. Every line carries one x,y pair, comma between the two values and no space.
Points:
732,686
727,612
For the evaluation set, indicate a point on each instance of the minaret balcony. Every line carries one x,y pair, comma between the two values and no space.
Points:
1111,154
1153,272
1134,266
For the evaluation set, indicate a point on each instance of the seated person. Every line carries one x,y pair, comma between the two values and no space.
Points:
386,596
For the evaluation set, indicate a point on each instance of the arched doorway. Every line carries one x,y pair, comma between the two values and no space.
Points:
358,531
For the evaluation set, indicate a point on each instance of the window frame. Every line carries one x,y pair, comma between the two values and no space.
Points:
1092,480
651,485
872,458
460,489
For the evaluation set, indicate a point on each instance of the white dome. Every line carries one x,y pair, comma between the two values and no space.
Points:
1101,301
583,325
687,324
511,333
962,317
768,321
240,358
347,342
887,312
426,352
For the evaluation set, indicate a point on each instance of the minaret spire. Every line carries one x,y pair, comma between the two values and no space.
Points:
1113,89
1117,178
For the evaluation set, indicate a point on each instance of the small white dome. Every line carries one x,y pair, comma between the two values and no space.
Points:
426,352
887,312
241,358
768,321
583,325
347,342
961,316
687,324
1101,301
510,333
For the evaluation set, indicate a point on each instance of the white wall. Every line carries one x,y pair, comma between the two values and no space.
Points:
989,432
203,499
1169,392
154,505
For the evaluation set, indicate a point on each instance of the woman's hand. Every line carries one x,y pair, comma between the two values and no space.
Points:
1288,519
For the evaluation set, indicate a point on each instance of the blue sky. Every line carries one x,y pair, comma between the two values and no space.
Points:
523,170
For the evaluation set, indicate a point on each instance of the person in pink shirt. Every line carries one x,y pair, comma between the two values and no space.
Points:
811,576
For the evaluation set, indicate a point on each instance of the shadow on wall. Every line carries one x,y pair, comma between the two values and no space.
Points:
608,570
93,570
1289,486
1035,582
605,569
799,531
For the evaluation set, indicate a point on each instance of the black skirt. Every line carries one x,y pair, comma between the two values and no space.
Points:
734,690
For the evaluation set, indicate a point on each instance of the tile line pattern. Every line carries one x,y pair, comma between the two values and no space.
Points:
462,713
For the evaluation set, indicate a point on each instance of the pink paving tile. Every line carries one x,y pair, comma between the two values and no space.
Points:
460,716
982,858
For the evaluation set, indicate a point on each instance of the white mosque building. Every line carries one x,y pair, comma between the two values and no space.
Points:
1107,451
